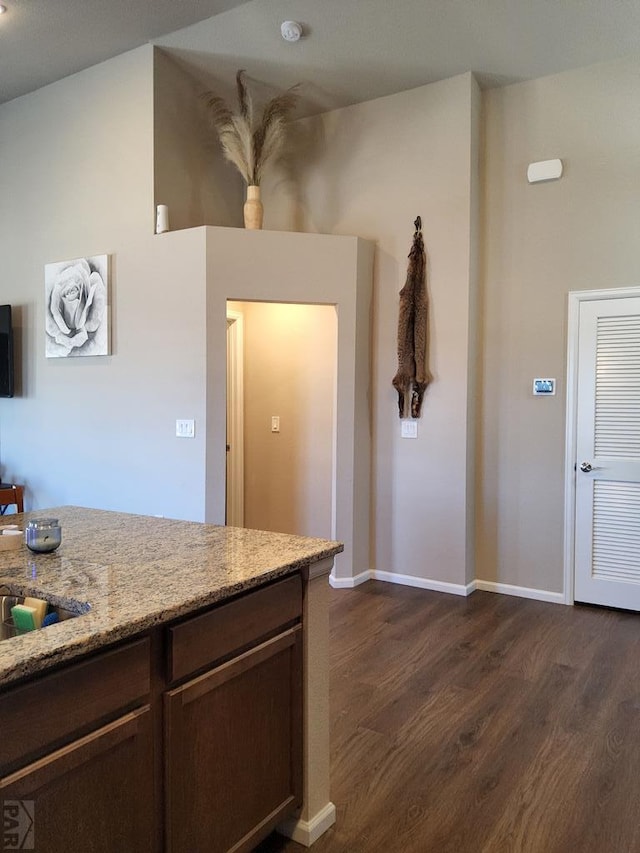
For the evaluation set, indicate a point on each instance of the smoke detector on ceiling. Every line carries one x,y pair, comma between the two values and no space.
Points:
291,30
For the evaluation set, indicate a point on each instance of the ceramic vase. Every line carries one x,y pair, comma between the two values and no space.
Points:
253,210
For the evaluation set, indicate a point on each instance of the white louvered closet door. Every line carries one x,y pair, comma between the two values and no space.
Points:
607,534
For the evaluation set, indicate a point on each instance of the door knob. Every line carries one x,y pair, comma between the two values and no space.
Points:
586,467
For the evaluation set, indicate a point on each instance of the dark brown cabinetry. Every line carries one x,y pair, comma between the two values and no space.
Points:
95,794
187,739
233,734
233,762
77,746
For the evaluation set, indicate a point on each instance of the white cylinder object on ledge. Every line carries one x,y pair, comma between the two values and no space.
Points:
162,218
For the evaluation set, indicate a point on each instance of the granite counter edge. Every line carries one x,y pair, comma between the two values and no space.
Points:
87,640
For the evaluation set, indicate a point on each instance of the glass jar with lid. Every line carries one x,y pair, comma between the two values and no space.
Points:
43,535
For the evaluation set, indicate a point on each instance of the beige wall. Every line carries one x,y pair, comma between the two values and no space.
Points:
77,179
190,176
289,371
78,169
369,170
540,242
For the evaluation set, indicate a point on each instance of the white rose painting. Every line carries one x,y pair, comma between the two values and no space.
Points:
76,312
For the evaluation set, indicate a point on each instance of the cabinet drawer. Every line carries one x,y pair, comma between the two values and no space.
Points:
204,639
58,706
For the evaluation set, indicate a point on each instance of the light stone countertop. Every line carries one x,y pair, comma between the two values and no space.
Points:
127,573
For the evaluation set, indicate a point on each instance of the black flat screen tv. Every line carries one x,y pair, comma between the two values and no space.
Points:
6,352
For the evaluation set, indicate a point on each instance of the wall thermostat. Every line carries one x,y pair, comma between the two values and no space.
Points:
544,387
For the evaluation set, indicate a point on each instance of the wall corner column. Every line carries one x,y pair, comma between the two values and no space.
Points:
318,813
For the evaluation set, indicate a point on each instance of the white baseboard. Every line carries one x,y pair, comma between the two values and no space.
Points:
349,583
422,583
522,591
306,832
451,588
404,580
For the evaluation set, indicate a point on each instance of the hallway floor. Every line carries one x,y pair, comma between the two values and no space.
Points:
480,725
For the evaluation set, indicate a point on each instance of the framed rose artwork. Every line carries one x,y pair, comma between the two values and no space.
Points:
76,307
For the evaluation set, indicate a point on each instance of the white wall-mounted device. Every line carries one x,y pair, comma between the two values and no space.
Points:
544,170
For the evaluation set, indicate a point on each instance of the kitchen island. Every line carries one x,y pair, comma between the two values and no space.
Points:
186,704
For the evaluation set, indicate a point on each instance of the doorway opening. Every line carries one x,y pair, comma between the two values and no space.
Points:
281,417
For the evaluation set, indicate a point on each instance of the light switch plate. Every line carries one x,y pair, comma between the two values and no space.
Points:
275,423
409,429
185,429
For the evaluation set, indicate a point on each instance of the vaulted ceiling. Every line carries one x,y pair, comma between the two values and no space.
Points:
351,50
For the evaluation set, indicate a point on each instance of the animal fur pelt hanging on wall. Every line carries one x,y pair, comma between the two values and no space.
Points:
413,377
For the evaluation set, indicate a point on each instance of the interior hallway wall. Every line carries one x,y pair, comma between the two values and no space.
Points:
259,266
289,371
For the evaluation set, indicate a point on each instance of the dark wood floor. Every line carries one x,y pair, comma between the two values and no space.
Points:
480,725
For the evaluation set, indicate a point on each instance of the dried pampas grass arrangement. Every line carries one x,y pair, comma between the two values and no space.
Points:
246,142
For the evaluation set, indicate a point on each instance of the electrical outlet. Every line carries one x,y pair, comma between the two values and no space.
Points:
185,429
409,429
275,423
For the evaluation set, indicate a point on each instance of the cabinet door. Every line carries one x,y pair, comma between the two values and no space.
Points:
234,749
94,795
